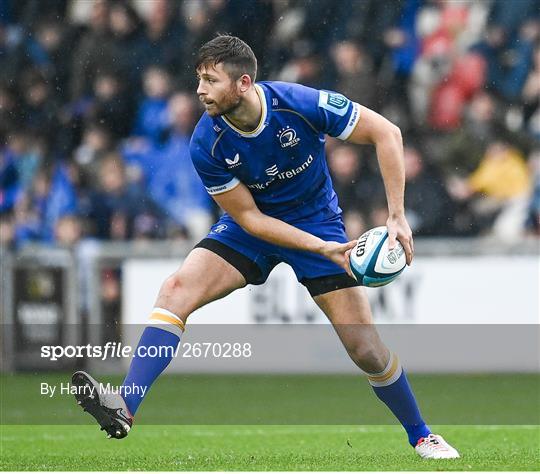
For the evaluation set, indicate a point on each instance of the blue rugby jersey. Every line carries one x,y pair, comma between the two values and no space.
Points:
282,161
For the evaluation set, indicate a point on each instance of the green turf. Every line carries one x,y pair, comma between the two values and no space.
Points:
261,448
447,399
274,422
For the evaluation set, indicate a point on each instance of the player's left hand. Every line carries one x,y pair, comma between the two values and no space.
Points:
339,253
399,229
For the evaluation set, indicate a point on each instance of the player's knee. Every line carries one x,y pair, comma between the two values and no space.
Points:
179,292
173,284
368,357
176,287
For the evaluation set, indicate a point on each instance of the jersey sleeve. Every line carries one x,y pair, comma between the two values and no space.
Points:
330,112
215,177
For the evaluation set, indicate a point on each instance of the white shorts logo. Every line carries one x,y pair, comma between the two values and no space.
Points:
219,228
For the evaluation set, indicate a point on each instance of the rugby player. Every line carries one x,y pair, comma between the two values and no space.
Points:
259,150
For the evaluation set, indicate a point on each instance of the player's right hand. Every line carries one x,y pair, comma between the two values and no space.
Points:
399,229
339,254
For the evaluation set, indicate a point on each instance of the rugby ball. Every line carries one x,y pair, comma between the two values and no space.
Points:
372,263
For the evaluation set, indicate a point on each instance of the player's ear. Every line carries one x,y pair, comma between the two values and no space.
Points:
245,82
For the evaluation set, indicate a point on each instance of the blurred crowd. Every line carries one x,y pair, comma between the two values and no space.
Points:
97,105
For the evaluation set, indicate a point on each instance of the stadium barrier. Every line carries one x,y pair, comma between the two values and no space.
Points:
469,286
39,306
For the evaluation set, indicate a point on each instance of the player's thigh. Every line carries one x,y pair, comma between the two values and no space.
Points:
349,312
202,278
346,306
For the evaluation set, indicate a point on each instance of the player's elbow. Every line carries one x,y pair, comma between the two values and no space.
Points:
250,222
386,133
395,131
392,133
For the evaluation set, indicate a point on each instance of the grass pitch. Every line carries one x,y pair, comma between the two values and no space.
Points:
274,423
262,448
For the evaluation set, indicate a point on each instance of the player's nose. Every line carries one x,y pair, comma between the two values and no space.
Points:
201,90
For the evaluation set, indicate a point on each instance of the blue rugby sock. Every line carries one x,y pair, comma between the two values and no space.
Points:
392,387
159,339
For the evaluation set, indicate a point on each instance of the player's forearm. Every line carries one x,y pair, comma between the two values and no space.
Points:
280,233
390,157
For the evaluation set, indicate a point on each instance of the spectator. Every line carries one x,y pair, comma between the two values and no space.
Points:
151,120
404,46
112,104
96,142
372,23
165,36
517,61
305,67
460,152
145,159
27,152
174,184
9,182
356,187
203,18
115,203
465,73
130,50
40,110
492,48
452,94
94,51
497,191
68,231
354,69
38,210
502,173
428,206
48,49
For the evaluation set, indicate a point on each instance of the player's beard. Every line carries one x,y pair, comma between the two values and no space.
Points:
230,102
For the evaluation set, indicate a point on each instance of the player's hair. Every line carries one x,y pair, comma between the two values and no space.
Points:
235,55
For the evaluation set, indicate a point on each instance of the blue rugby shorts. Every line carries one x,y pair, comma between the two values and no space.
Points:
254,258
